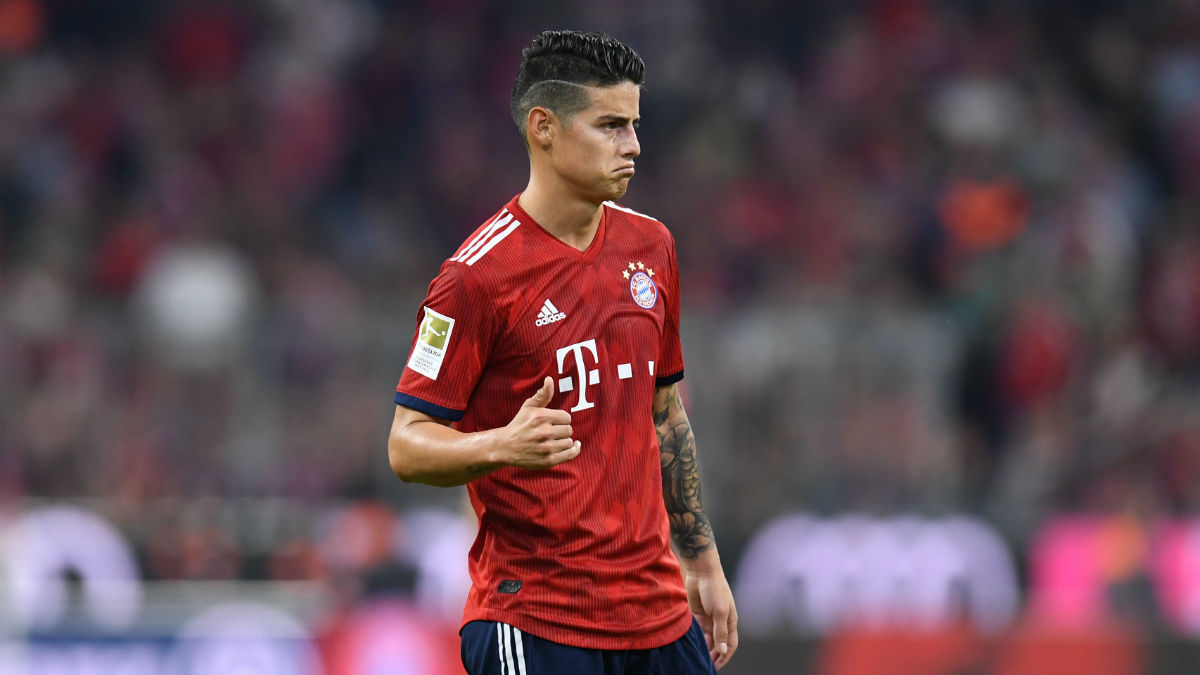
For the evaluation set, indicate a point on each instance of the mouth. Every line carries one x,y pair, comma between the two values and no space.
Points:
625,170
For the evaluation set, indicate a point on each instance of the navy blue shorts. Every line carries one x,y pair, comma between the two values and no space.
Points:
491,648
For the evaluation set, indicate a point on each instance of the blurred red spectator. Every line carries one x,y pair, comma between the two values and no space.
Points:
21,25
122,253
296,559
1171,304
1037,353
204,552
1180,467
984,215
204,44
359,536
304,130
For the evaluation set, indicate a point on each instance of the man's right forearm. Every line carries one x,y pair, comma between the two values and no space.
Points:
425,451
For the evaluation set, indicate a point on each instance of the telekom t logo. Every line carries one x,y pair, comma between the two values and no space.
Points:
584,375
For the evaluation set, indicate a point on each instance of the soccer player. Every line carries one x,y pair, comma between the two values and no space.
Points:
543,375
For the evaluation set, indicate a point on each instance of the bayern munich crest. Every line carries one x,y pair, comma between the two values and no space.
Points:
641,286
644,292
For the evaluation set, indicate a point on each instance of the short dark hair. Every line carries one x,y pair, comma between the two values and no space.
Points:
558,63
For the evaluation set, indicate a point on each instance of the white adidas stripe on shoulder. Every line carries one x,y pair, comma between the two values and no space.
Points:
483,242
492,242
500,221
492,226
627,210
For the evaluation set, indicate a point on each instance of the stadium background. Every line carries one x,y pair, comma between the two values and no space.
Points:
941,269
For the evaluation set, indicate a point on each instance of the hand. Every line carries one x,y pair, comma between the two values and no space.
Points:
711,601
539,437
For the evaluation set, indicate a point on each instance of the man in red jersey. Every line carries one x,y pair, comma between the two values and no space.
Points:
583,487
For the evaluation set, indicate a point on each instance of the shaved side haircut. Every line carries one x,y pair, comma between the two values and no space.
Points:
558,64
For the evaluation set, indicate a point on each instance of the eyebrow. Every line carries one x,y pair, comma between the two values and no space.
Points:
617,118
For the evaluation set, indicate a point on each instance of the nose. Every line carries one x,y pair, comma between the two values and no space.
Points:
628,143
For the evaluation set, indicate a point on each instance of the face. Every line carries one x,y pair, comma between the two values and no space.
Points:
594,151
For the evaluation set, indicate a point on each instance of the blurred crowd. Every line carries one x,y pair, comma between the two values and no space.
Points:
967,234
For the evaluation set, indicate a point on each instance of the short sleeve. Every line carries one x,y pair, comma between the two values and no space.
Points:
454,334
670,351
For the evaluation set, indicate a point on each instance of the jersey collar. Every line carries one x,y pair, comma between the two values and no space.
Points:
587,255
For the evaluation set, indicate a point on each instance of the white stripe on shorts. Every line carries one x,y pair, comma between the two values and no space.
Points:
520,651
508,655
500,646
508,638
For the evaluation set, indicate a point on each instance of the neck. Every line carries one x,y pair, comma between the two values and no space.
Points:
571,220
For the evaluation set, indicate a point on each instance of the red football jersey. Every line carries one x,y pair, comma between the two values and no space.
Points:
579,553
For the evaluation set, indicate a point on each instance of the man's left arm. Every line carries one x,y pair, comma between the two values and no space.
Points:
708,592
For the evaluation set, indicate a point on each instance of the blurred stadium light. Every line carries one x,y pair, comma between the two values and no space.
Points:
818,575
45,546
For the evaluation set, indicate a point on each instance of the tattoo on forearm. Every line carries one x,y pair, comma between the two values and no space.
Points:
690,529
660,415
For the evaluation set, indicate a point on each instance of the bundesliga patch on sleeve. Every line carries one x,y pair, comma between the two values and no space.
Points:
432,340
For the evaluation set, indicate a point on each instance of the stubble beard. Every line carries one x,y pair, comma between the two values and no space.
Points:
620,188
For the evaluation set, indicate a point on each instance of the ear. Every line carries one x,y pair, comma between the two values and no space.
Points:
539,126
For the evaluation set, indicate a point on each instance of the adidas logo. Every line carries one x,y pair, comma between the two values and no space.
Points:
549,314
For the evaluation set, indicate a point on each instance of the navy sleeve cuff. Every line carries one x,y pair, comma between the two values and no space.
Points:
668,380
429,408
